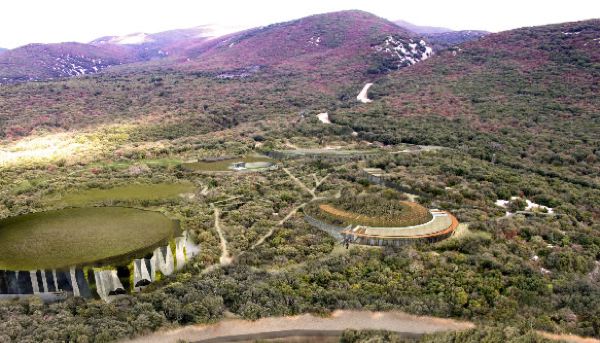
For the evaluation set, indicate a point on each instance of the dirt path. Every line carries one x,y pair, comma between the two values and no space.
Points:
318,184
308,325
281,222
299,183
225,258
362,96
568,338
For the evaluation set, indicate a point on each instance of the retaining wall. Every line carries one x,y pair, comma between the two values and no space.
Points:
333,157
341,233
333,230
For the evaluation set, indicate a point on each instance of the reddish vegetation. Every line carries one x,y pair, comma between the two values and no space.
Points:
336,44
339,40
497,66
44,61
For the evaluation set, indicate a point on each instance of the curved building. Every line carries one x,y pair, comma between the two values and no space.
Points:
440,227
417,225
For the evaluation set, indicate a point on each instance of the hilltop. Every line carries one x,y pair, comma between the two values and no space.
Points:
36,62
40,62
347,41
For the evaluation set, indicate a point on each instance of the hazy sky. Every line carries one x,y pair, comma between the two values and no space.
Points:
45,21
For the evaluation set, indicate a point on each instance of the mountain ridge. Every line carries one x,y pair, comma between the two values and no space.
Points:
36,62
420,28
347,40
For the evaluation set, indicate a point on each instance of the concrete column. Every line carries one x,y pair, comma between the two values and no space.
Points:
44,281
34,282
74,282
179,255
55,279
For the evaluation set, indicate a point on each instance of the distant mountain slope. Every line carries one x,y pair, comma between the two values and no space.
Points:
35,62
158,45
529,96
351,43
161,38
2,50
445,40
347,41
421,29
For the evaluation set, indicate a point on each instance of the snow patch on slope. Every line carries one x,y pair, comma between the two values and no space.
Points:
362,96
73,65
531,206
314,40
324,118
404,52
130,39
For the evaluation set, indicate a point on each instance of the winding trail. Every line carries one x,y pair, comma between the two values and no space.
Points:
280,223
225,258
318,183
308,325
362,96
567,337
299,183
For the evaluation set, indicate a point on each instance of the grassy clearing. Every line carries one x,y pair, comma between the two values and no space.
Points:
223,165
133,192
375,212
77,236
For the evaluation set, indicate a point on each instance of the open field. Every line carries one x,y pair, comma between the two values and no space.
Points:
223,165
75,236
131,192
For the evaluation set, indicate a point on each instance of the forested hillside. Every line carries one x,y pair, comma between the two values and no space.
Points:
483,130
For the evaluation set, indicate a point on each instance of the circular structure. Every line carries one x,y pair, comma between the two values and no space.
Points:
78,236
375,220
373,210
